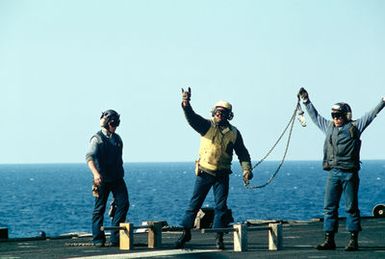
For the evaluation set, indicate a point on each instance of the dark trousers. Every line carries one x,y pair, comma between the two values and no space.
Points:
203,184
120,194
338,183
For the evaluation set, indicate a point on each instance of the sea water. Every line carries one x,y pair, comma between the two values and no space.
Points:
56,198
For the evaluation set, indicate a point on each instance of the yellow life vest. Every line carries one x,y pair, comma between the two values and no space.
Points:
214,145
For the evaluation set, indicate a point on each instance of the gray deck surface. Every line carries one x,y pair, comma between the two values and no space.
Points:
299,239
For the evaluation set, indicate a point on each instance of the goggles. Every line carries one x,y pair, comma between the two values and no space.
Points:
337,115
221,111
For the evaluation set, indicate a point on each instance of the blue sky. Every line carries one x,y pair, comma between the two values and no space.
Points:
63,62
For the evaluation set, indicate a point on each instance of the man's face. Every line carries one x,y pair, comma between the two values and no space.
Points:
220,114
113,124
338,119
112,127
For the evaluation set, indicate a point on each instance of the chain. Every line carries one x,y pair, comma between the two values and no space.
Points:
290,127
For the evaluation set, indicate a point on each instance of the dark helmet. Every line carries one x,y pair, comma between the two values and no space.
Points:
110,117
344,109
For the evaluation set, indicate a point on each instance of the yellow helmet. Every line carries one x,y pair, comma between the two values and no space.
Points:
224,104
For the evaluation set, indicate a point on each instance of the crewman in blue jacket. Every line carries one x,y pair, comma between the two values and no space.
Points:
342,161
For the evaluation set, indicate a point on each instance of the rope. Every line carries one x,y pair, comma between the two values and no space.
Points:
290,127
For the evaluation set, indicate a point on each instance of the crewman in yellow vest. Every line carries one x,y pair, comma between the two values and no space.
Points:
218,141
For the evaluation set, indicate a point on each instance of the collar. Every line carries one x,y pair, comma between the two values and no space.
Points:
106,133
222,124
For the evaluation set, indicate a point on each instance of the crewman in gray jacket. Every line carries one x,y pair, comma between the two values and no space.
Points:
342,161
104,159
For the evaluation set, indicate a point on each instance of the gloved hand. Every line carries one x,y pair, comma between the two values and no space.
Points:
186,96
247,175
303,94
95,190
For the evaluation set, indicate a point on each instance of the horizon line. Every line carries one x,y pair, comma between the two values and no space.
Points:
164,162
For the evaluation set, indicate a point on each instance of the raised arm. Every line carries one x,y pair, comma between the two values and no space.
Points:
197,122
365,120
318,120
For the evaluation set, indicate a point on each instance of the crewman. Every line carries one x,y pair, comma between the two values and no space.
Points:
104,159
218,141
342,161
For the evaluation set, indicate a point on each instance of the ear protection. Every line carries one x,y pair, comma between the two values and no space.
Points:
348,112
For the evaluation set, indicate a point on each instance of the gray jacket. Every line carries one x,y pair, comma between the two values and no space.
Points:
342,144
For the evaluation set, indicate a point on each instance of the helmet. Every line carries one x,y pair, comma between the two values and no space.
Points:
229,114
109,117
344,109
224,104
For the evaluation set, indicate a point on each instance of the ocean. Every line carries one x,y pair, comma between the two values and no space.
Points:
56,198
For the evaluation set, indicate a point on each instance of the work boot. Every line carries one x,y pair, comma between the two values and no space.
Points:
219,241
329,243
185,237
353,242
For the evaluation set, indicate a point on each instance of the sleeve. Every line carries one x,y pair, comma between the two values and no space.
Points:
242,153
318,120
365,120
92,149
197,122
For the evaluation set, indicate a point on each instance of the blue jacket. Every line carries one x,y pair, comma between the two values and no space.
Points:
342,144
